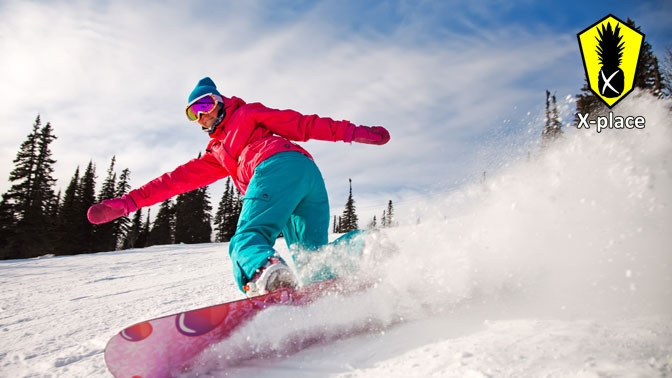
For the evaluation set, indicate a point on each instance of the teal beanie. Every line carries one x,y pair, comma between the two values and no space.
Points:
204,86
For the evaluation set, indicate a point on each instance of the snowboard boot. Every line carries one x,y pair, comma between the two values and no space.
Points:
269,278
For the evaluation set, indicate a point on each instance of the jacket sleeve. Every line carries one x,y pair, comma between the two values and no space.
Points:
298,127
192,175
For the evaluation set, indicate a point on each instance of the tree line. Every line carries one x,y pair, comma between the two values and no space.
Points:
35,220
349,221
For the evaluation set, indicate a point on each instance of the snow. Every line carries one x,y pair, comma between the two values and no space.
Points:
557,265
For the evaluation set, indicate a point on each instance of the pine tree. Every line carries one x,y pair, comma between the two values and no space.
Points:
68,236
553,128
15,201
30,200
373,224
547,112
389,215
54,208
666,72
106,233
44,199
203,231
648,71
87,197
143,237
556,125
23,174
184,218
228,213
223,214
163,229
237,208
192,217
349,220
122,224
7,230
133,233
107,191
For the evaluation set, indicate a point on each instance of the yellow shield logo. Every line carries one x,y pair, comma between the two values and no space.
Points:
610,51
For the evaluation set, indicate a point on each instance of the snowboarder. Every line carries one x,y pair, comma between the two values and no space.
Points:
283,189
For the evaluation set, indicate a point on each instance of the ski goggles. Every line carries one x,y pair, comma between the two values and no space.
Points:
202,105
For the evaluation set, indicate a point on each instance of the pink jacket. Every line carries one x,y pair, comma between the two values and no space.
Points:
248,134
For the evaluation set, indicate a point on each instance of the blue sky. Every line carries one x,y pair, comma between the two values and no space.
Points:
459,85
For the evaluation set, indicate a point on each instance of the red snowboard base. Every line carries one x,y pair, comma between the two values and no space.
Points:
165,346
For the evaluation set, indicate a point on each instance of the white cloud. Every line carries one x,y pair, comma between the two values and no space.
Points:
113,79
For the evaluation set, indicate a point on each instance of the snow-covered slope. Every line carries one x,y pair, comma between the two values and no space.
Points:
558,265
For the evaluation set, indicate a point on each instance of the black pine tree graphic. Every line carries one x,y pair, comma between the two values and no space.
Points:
610,53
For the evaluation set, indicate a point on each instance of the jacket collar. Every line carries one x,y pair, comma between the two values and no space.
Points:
230,106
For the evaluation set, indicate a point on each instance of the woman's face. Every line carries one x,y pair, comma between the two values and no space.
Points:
206,120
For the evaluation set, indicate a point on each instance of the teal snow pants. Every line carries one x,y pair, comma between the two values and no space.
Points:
286,194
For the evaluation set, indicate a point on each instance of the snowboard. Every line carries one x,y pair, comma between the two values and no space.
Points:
165,346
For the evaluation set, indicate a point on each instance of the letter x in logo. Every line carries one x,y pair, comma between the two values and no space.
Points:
607,82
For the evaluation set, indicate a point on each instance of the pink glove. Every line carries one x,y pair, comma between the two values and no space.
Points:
111,209
371,135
